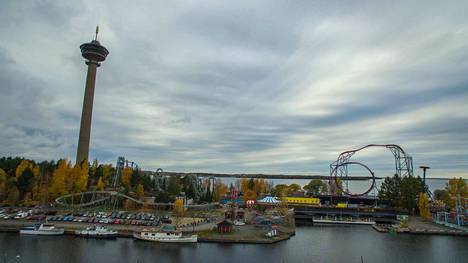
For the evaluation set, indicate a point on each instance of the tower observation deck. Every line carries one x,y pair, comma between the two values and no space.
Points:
94,53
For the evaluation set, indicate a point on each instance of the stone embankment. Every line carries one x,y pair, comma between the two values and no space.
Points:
417,226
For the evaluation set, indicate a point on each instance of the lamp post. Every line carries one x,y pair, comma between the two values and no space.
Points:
424,168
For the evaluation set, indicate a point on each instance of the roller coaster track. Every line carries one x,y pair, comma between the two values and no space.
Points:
339,168
100,197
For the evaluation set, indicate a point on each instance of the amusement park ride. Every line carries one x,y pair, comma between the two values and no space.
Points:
338,172
339,168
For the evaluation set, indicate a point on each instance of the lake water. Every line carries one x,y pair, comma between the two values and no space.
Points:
311,244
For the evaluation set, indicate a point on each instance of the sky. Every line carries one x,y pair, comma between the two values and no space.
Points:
239,86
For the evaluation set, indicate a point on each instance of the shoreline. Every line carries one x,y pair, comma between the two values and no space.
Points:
13,226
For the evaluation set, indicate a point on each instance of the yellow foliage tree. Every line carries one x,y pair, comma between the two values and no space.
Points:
81,183
100,184
127,177
178,210
107,174
73,179
58,186
249,195
423,205
244,184
24,164
454,188
3,184
139,191
12,194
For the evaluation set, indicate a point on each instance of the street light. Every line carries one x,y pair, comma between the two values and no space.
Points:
424,168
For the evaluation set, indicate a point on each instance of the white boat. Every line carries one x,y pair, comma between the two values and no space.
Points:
166,234
42,229
96,232
238,223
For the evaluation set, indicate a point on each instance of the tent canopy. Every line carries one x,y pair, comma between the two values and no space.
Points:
269,200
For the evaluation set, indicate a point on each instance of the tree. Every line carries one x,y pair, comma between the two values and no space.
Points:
25,182
140,191
244,184
336,186
455,188
390,190
315,187
249,195
3,184
12,192
58,186
439,194
280,190
82,182
410,188
127,177
294,189
100,184
423,205
174,187
178,210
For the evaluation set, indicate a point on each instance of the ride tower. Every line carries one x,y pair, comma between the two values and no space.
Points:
94,53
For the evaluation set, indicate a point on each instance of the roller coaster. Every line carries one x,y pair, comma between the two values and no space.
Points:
114,197
111,199
339,168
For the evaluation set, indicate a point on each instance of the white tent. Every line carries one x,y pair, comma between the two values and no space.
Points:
269,200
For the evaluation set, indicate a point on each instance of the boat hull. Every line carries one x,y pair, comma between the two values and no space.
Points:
94,235
56,232
188,239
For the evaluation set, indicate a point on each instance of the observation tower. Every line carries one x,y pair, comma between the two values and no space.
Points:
94,53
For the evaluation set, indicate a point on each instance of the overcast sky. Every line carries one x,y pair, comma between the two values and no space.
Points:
239,86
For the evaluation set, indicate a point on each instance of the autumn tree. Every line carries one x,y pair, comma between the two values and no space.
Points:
127,177
249,195
244,182
139,191
455,188
423,205
3,184
58,186
178,210
100,184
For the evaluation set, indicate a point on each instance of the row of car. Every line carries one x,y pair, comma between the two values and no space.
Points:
122,217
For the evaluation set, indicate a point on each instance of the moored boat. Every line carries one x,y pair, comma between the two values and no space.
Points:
97,232
42,229
167,233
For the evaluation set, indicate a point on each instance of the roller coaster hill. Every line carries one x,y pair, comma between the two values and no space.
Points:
115,196
362,204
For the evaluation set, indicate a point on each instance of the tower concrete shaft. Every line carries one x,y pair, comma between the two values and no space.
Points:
94,53
87,113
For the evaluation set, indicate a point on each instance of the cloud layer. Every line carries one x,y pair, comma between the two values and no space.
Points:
239,87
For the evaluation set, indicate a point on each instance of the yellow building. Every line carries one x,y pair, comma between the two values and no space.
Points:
302,200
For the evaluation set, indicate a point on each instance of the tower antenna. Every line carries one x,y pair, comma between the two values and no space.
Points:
97,31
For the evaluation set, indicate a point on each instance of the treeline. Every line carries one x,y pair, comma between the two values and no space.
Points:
411,193
24,181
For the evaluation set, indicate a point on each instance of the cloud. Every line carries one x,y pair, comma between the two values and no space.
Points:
239,87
